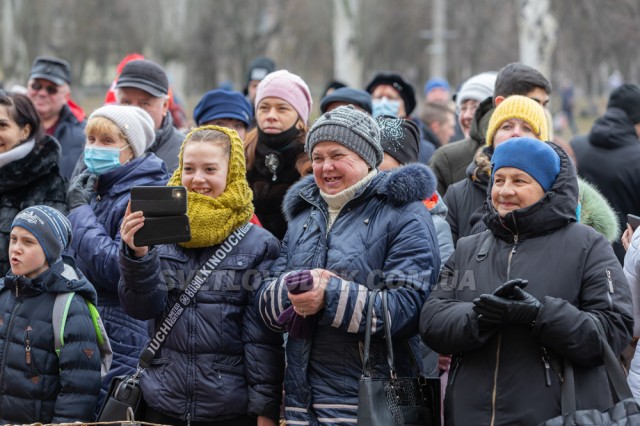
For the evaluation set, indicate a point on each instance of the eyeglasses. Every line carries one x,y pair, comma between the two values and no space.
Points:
51,90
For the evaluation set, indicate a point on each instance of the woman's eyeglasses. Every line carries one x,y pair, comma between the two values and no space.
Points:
51,90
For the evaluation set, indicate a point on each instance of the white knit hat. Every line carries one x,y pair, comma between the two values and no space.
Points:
479,87
135,123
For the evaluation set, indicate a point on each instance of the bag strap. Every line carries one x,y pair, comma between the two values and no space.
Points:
614,374
366,364
614,369
59,321
487,241
59,318
366,370
188,295
387,336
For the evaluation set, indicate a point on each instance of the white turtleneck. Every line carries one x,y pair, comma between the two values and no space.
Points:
336,202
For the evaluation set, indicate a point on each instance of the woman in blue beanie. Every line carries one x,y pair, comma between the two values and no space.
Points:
510,340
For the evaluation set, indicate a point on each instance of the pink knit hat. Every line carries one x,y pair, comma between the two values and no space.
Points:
288,87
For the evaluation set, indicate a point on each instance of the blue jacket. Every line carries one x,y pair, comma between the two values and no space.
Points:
96,242
48,389
70,133
96,226
219,361
383,237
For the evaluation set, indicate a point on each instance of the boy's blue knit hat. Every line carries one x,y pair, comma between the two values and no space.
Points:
50,227
532,156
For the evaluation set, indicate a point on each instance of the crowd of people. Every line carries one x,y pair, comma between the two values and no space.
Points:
456,226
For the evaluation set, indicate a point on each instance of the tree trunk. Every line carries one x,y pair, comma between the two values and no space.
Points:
537,35
347,59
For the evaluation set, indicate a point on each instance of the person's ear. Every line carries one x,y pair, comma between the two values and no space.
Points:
165,106
25,132
498,100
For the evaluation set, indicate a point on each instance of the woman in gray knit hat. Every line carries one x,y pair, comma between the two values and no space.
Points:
355,230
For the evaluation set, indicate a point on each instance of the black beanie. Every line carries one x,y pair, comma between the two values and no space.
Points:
400,84
400,138
258,70
627,98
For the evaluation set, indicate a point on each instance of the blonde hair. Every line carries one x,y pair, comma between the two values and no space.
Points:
102,125
213,136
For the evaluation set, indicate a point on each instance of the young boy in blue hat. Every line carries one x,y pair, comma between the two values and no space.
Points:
38,384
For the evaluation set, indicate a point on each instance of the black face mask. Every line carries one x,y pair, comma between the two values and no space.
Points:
278,140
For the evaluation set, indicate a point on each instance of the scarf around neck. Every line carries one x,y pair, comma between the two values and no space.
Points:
212,220
17,153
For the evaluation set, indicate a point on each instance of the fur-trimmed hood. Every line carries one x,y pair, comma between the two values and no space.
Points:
400,186
596,212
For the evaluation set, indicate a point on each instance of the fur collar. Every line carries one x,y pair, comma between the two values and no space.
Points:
43,159
398,187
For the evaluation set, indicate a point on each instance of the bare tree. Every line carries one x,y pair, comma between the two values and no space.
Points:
537,34
347,53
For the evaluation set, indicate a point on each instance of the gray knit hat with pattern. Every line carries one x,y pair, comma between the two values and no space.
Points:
135,123
51,228
350,127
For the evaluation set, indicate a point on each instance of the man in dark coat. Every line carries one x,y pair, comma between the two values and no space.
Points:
611,157
49,90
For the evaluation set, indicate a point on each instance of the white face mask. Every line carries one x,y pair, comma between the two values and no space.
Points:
385,106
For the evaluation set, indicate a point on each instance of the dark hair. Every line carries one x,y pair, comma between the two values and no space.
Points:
21,110
519,79
333,84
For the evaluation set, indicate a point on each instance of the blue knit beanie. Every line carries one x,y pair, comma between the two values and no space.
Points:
434,83
532,156
50,227
222,103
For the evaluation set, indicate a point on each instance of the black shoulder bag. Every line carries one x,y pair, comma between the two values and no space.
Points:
124,399
625,412
393,400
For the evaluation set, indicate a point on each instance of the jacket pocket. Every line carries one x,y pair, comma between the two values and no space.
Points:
222,368
231,275
31,370
457,360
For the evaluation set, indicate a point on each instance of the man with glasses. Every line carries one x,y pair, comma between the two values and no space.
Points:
49,90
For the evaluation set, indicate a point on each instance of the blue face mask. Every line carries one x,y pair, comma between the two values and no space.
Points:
102,160
385,106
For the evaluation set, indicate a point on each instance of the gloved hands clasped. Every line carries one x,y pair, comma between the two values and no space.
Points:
508,304
80,190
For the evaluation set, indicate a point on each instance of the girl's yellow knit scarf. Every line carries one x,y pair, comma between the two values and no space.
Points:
212,220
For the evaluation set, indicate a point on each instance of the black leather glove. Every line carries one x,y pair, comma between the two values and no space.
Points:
506,289
518,308
80,190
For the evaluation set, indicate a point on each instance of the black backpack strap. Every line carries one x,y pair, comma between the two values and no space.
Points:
485,245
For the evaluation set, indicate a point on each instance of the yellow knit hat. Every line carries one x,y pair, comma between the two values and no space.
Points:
523,108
